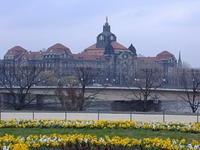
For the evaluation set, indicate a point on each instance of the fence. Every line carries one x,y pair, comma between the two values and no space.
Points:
114,116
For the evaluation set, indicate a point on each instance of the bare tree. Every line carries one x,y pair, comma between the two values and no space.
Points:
74,97
191,84
18,79
67,95
149,80
48,78
86,76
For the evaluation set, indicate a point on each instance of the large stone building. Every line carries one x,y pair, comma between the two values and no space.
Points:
115,61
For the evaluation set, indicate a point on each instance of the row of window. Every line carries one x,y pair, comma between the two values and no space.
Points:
112,38
55,56
9,57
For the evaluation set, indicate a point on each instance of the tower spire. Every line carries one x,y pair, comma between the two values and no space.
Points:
106,27
179,60
106,19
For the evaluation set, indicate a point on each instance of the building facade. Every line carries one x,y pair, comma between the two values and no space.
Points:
116,62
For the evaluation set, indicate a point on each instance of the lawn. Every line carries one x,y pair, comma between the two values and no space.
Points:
129,132
105,135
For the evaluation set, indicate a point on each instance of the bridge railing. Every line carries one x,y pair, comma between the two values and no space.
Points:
100,115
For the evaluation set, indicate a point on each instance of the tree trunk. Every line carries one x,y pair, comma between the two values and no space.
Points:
145,103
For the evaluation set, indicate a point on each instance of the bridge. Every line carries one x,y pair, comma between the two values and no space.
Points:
108,93
172,99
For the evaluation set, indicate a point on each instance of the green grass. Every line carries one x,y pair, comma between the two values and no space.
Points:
134,133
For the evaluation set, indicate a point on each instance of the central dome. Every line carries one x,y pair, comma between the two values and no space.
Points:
97,50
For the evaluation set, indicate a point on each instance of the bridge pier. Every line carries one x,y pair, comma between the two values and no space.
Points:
1,101
4,98
39,101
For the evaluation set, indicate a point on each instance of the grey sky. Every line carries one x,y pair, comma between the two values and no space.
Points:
151,25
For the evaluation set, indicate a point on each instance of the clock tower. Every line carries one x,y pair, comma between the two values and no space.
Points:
106,37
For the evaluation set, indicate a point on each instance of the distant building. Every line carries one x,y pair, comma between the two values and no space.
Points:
115,61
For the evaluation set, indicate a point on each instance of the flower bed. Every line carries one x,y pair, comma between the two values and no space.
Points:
172,126
89,142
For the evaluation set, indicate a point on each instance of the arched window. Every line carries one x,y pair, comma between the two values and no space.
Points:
112,37
101,37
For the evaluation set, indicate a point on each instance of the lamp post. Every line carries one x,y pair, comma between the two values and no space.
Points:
93,81
164,81
193,82
136,81
114,81
81,82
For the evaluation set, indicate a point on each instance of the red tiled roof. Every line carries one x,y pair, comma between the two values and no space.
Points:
165,55
58,49
162,55
17,50
117,47
33,55
149,59
92,52
92,47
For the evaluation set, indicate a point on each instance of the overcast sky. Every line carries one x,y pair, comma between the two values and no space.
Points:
151,25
